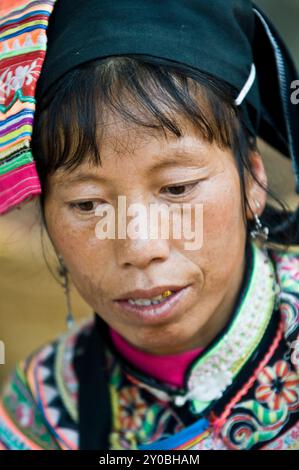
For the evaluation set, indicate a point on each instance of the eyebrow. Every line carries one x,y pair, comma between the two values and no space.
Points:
178,157
82,178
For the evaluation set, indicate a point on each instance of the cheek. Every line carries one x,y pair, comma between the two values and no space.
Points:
224,232
84,255
222,213
88,260
223,217
222,227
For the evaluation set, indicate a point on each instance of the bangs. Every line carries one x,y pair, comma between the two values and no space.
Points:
70,121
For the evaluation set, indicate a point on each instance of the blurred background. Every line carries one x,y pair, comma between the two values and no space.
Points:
32,303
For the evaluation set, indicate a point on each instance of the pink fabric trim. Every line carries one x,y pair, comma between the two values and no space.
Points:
169,369
18,185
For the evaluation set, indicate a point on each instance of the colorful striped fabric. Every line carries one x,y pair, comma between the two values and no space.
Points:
183,440
23,42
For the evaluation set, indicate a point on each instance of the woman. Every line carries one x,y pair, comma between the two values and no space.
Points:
187,348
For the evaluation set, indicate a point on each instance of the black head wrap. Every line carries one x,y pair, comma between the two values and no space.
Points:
230,39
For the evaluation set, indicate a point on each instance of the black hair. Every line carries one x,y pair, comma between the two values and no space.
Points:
69,117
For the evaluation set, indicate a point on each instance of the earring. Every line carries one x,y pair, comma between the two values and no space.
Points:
260,231
63,272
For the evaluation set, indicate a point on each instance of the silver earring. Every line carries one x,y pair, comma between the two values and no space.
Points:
63,272
260,231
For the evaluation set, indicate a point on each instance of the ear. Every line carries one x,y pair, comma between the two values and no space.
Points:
256,195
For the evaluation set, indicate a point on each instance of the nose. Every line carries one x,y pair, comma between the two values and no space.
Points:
143,239
140,253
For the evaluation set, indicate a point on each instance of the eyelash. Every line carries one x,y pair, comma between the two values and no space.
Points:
76,205
189,185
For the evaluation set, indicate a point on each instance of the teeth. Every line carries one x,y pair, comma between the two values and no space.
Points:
140,301
153,301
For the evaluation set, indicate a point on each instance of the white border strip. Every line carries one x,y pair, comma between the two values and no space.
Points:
247,86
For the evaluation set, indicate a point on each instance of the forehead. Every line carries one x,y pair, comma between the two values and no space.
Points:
125,149
125,142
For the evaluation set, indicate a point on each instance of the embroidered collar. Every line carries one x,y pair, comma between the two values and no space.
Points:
213,371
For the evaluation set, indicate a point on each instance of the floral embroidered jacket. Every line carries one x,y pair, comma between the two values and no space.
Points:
241,392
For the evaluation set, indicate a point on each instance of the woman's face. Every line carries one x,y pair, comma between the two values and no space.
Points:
144,168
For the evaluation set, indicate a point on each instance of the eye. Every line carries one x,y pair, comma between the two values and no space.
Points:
84,206
180,189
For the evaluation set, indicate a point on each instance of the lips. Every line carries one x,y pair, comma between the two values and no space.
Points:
150,293
153,313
